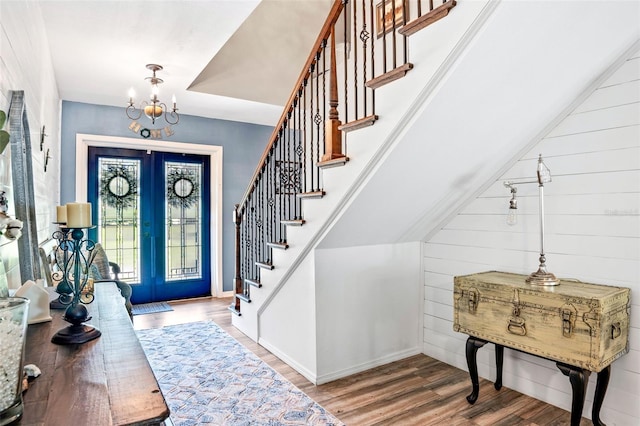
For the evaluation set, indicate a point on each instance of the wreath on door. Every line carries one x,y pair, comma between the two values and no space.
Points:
118,187
183,188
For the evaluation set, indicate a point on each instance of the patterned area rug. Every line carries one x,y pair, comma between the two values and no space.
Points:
208,377
150,308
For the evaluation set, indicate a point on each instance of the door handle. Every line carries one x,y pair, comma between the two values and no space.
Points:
153,257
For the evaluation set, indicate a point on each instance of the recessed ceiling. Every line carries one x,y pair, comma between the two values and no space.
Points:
231,52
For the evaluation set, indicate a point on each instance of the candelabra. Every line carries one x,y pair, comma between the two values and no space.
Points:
71,288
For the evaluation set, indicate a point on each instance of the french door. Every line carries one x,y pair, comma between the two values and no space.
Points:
151,214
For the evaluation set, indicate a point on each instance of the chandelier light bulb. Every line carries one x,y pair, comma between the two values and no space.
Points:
132,94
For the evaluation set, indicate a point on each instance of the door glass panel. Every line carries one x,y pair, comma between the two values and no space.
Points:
183,227
119,214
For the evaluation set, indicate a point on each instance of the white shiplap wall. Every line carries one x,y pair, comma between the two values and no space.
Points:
592,234
25,64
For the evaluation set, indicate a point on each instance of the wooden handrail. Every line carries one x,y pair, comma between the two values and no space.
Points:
324,34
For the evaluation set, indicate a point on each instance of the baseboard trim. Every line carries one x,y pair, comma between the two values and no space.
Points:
309,375
326,378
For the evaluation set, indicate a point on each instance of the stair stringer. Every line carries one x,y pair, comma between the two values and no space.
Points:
367,147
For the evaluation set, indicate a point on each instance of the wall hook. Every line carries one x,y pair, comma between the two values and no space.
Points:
46,160
42,136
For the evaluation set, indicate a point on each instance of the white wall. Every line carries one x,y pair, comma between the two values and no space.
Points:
592,234
346,310
25,64
367,307
288,327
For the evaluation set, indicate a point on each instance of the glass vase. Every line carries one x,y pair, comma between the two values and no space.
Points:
13,331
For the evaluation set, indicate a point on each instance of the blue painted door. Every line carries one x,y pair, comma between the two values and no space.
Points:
151,210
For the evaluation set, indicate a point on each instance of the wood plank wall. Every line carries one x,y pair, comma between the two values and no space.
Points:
25,64
592,234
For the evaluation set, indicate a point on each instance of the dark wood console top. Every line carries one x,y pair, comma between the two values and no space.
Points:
107,381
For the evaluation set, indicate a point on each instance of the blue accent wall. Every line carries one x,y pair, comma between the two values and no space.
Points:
243,145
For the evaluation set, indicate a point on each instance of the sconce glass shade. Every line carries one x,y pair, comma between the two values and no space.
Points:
512,216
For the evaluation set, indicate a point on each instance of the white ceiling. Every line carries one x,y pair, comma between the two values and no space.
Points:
99,51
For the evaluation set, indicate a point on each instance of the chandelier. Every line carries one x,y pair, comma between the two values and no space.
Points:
152,108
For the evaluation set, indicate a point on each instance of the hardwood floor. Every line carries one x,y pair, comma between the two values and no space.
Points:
415,391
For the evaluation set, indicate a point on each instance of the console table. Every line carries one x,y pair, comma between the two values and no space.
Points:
107,381
582,327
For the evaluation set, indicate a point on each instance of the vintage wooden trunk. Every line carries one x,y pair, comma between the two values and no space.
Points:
576,323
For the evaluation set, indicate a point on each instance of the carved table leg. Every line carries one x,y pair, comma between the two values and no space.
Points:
473,344
499,358
579,379
601,389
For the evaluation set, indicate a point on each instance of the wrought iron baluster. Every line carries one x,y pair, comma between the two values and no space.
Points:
384,41
250,243
312,138
279,187
373,64
393,32
405,50
304,136
268,213
273,201
317,119
297,155
287,166
355,63
364,37
263,255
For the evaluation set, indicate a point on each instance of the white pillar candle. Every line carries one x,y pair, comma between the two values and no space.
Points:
78,215
61,214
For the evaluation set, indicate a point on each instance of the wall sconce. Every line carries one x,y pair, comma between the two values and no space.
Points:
512,213
543,174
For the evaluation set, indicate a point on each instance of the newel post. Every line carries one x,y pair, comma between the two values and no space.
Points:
237,281
333,135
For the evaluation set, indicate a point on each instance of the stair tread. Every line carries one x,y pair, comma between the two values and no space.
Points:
232,308
293,222
427,19
359,124
333,163
389,76
243,297
265,265
312,194
278,245
253,282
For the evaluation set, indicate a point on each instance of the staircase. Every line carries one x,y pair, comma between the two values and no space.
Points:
306,172
294,294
